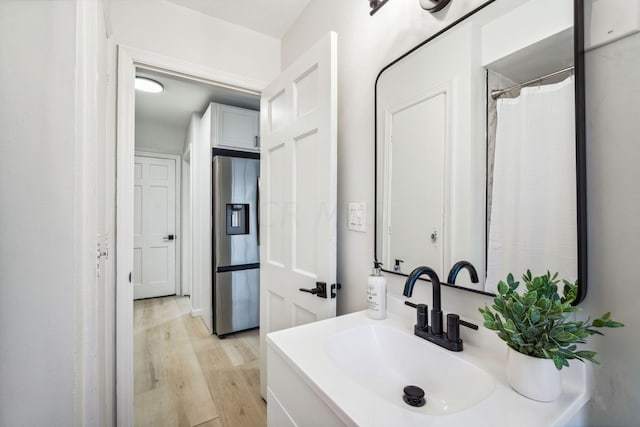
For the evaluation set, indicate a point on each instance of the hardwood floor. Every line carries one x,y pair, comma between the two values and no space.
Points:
186,377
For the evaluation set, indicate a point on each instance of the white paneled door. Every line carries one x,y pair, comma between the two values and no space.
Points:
298,192
154,224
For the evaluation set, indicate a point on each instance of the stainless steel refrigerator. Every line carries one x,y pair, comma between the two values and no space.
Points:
236,255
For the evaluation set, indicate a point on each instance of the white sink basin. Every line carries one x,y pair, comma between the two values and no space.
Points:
384,360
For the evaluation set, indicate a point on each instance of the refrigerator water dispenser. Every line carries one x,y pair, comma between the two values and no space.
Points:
237,219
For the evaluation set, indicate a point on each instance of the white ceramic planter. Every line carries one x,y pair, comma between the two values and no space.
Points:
535,378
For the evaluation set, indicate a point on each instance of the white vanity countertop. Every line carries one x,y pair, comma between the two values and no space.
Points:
303,348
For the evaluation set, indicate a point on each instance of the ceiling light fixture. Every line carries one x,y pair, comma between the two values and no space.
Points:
146,84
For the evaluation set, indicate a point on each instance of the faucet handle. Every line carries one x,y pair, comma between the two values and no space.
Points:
469,325
453,326
422,319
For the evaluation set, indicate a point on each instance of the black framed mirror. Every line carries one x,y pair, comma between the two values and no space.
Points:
498,182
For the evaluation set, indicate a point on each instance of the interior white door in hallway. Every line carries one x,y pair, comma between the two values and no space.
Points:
298,193
154,224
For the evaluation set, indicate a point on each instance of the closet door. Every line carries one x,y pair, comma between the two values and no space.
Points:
154,247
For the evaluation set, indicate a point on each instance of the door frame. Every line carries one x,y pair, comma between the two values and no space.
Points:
185,216
130,58
178,211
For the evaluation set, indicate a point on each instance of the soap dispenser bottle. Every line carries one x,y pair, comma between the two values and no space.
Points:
377,294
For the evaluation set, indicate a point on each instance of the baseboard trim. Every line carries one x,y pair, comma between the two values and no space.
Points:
197,312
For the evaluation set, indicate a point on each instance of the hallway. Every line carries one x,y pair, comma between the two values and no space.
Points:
186,377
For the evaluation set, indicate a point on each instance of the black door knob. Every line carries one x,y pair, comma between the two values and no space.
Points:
320,290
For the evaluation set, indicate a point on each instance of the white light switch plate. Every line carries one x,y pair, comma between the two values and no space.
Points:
357,217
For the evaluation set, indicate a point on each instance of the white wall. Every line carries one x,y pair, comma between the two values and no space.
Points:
155,137
163,27
37,310
53,333
613,156
365,45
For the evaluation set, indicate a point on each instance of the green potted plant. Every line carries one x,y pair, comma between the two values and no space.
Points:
538,328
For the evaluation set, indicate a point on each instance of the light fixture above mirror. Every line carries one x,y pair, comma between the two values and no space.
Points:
375,5
434,6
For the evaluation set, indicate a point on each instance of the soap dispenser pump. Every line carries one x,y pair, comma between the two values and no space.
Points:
377,294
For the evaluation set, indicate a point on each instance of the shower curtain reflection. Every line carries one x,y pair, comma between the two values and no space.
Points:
533,200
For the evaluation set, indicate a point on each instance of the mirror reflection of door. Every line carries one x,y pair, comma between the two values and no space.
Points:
414,193
443,167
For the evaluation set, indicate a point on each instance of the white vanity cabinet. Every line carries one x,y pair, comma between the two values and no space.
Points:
234,128
291,402
350,370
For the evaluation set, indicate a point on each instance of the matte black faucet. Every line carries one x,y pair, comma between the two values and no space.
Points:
453,273
436,311
434,333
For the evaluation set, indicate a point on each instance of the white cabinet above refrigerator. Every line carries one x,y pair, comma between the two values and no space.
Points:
234,128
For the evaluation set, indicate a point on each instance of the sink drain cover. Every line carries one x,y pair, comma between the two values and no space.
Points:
414,396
